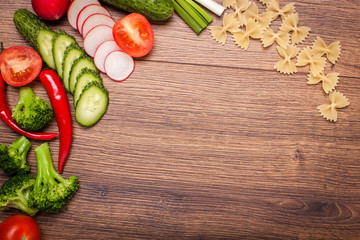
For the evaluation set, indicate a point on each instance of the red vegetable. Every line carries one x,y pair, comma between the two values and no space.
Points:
60,104
19,227
6,113
50,9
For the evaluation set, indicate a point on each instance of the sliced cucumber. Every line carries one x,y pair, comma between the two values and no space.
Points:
72,52
78,65
83,79
44,42
92,104
60,42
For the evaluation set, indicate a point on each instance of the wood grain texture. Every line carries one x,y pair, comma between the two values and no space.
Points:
206,141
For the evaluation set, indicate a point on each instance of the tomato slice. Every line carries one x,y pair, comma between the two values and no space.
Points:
19,227
134,35
20,65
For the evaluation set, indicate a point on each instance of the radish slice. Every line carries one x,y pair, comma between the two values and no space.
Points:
102,51
75,8
95,37
119,65
87,11
96,20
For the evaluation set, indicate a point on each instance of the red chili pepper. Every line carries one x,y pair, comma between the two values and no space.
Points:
60,104
6,117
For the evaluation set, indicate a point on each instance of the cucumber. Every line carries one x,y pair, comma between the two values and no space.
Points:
92,104
72,53
156,10
36,33
82,80
59,45
78,65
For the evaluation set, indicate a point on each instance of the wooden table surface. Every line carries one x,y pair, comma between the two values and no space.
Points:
206,141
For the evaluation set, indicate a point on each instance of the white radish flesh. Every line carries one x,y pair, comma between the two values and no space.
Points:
119,65
87,11
75,7
95,37
102,51
96,20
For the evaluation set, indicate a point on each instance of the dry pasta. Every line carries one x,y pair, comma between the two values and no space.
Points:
285,65
228,3
264,19
316,63
290,24
329,81
276,11
219,33
269,37
242,38
337,100
239,7
267,2
332,51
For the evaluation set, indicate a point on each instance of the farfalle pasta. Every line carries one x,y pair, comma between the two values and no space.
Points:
332,51
239,7
285,65
267,2
228,3
269,37
329,81
316,63
329,111
276,11
242,38
290,24
263,19
219,33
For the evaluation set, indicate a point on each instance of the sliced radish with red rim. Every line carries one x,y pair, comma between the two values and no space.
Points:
102,51
75,7
96,20
95,37
119,65
88,11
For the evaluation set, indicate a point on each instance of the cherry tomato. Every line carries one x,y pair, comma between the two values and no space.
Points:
50,9
134,35
20,65
19,227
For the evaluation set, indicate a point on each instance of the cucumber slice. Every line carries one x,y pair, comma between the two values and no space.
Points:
72,53
92,104
60,42
83,79
78,65
44,41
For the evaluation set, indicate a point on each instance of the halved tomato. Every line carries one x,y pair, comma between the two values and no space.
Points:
20,65
134,35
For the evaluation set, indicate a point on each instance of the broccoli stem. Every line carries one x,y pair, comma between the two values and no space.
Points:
46,172
22,204
22,145
26,94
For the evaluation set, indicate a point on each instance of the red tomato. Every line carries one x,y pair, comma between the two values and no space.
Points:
20,65
134,35
50,9
19,227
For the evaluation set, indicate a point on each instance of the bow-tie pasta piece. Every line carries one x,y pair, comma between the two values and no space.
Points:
242,38
316,63
329,81
276,11
228,3
290,24
285,65
263,19
239,7
269,37
267,2
337,100
332,51
219,33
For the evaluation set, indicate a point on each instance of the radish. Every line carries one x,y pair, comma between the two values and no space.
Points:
96,20
50,10
102,51
75,7
119,65
95,37
87,11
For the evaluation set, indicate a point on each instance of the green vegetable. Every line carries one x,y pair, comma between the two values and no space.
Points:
156,10
192,14
13,158
51,191
82,80
14,193
32,112
60,43
72,53
78,65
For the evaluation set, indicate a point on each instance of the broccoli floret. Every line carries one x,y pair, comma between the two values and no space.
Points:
51,191
14,193
32,112
13,158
